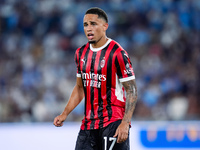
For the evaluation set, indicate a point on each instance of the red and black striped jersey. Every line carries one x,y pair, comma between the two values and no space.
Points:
102,70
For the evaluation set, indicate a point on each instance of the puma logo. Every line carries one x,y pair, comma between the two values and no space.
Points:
83,61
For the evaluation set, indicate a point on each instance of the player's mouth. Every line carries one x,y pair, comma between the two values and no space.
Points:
90,36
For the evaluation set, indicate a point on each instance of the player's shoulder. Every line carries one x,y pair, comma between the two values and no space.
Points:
117,48
117,45
80,49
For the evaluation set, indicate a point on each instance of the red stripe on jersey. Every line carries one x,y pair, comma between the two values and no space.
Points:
103,84
88,89
96,101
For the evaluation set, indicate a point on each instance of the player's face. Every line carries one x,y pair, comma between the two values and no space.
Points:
94,28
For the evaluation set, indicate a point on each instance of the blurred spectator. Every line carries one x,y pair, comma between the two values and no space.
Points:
38,40
177,107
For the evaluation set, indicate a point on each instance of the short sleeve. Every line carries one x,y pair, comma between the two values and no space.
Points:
124,66
77,60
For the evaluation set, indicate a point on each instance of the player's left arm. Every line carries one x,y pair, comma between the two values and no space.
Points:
131,100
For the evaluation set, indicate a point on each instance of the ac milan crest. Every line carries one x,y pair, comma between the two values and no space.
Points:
102,64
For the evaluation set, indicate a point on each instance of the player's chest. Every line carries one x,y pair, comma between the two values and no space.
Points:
95,62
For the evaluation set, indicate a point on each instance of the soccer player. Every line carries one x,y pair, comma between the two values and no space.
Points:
104,75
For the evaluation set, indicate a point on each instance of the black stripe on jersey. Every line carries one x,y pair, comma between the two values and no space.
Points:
119,73
125,59
92,93
109,80
84,68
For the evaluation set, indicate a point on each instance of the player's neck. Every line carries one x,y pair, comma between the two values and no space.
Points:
100,43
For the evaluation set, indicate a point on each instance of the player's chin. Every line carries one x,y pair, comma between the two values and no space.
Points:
91,41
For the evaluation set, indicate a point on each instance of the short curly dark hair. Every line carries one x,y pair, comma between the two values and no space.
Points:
98,11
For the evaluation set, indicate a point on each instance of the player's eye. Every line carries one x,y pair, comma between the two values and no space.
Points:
85,24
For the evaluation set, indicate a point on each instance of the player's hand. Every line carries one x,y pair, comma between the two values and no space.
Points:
122,132
58,121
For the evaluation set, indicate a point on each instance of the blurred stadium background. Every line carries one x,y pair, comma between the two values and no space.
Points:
38,39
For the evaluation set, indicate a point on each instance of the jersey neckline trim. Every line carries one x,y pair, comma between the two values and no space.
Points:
102,47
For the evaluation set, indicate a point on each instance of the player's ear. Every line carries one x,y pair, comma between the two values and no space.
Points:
105,26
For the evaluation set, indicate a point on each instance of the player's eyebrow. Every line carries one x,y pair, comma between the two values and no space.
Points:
90,22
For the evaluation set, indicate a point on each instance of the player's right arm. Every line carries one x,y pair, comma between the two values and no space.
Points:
75,98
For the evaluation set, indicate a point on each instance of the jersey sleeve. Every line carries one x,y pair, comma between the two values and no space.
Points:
77,61
124,66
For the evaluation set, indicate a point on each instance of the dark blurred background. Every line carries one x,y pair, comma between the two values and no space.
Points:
38,39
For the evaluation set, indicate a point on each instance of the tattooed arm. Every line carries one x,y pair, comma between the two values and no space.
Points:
131,99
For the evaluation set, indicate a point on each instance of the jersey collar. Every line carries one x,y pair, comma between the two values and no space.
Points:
100,48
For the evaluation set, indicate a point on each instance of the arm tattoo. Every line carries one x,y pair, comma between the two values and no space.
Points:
131,99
